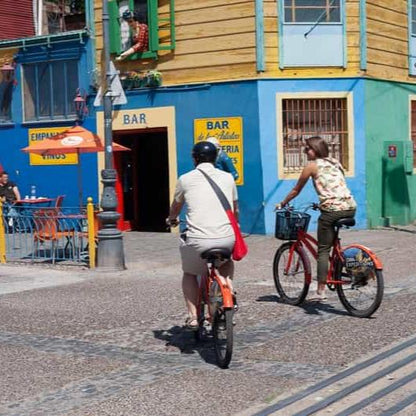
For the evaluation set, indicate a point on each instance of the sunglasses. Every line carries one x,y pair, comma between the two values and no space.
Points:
307,148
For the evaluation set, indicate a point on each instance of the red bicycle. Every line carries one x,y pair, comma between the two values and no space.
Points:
216,306
355,272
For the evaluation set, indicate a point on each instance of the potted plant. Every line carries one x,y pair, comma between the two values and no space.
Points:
153,79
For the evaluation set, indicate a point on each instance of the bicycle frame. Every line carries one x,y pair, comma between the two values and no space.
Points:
306,241
205,287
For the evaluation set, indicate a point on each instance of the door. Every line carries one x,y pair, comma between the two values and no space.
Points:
143,177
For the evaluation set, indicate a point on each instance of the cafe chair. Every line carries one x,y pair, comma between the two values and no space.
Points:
46,228
59,200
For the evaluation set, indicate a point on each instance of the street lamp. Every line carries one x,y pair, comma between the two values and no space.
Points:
80,101
110,252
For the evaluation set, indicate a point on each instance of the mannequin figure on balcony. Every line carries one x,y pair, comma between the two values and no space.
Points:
140,35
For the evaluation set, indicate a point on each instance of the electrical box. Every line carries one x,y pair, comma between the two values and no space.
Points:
399,155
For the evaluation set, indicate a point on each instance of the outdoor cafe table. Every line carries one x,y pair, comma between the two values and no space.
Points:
31,202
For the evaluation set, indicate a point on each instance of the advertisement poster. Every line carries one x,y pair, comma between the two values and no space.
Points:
36,135
229,132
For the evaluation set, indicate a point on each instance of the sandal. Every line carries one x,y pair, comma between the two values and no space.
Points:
318,297
191,322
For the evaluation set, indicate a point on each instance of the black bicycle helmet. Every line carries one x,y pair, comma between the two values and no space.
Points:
204,152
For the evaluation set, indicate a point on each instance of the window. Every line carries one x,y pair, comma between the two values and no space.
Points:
161,26
6,89
312,11
57,16
312,33
304,118
49,90
413,129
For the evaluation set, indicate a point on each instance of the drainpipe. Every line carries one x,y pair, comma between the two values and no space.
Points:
259,36
363,35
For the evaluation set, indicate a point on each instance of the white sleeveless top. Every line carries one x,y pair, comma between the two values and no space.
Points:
331,187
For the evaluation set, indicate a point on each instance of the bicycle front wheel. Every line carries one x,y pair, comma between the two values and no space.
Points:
222,330
362,288
290,278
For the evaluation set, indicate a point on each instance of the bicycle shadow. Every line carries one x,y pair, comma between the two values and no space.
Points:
184,340
309,307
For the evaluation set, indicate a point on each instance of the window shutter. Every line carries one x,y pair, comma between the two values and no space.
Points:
162,27
115,40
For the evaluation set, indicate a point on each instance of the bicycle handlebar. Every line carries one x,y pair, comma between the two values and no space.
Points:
289,208
173,223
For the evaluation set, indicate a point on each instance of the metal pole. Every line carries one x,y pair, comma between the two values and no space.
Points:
110,253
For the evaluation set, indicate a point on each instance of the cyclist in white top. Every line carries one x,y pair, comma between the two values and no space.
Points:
208,225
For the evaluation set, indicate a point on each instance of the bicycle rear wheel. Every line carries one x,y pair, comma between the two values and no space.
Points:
222,330
291,285
362,288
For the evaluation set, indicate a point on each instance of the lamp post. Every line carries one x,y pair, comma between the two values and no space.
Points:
110,253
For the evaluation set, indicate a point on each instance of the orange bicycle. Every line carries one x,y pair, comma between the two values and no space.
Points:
355,272
216,306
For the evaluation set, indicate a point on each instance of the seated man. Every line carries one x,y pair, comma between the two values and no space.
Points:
208,225
9,194
140,35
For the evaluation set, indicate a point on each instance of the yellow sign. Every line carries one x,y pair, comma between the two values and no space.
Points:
229,132
36,135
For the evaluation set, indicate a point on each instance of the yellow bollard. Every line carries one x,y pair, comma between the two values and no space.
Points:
91,232
2,237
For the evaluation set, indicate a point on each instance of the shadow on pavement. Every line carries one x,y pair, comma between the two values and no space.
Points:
185,340
310,308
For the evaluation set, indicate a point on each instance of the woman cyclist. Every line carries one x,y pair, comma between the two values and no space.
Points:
335,200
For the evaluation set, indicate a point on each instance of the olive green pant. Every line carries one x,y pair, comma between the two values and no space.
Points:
326,235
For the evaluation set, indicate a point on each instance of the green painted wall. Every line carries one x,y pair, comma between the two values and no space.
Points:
391,193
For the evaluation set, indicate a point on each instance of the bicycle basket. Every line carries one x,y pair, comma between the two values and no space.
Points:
288,223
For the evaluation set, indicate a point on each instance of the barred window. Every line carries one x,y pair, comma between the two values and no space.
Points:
413,130
312,11
304,118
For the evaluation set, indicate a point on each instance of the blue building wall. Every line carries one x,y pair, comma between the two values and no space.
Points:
216,100
50,180
274,189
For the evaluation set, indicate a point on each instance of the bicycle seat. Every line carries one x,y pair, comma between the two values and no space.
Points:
345,222
217,253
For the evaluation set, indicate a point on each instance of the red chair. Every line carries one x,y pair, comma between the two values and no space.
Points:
59,200
46,228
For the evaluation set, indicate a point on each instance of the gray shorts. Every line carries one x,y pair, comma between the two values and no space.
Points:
192,248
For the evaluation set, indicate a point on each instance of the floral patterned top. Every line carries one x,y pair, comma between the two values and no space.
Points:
331,187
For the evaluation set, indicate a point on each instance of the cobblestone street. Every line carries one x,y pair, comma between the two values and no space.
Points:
75,342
